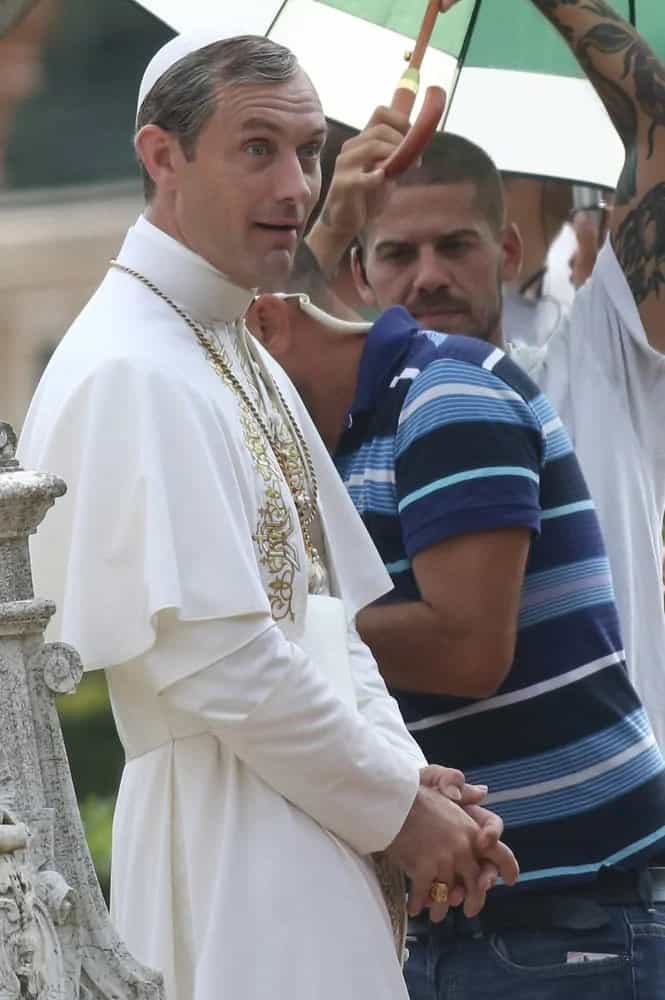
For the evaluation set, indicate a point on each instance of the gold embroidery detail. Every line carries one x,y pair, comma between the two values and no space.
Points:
393,887
275,529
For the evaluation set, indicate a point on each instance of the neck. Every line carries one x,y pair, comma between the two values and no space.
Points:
155,213
330,393
496,336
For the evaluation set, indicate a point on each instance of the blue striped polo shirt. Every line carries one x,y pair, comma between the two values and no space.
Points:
446,436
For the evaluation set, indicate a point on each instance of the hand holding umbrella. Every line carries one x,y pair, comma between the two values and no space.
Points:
384,149
405,95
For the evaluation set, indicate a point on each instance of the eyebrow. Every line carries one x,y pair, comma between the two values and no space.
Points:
266,125
397,242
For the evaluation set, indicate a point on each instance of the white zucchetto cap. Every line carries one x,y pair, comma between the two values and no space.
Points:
175,50
200,23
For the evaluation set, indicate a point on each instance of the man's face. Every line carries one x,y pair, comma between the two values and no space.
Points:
432,251
243,201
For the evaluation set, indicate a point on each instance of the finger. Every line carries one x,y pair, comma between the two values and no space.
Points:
488,875
385,133
474,893
473,794
456,896
434,773
362,182
491,827
505,861
421,883
389,116
447,780
366,156
451,791
367,182
439,911
474,902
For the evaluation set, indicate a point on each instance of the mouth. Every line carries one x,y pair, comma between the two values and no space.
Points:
290,228
440,311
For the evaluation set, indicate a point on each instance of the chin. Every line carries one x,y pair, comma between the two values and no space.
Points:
274,271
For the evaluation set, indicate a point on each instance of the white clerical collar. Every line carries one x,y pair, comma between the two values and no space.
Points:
194,284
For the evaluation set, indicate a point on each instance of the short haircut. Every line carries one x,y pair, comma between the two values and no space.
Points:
451,159
184,99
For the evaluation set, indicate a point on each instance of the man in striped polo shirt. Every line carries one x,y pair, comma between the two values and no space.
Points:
501,643
438,242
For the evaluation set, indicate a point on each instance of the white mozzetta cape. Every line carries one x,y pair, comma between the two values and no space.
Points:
239,854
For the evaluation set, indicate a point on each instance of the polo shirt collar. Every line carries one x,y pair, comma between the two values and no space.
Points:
386,343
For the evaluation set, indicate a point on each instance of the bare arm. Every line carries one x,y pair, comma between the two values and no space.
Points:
460,638
630,81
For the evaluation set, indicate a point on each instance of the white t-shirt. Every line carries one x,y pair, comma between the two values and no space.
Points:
608,385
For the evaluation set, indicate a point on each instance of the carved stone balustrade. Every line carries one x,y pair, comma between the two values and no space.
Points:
56,939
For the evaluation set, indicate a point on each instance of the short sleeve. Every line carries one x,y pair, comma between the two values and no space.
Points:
468,455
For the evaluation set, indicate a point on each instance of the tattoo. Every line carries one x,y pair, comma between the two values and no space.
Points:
640,245
623,114
594,6
641,69
639,62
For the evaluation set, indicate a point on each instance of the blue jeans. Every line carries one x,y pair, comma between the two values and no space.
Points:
455,961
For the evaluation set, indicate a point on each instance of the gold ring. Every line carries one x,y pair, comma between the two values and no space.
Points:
439,892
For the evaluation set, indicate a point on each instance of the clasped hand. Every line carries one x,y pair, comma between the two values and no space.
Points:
449,837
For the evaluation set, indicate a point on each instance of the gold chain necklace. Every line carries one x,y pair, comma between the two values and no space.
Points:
306,504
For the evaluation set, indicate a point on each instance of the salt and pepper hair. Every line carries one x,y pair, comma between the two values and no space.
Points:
185,98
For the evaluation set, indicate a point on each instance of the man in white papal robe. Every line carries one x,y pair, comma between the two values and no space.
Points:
262,771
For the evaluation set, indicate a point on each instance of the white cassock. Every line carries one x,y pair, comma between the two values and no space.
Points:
253,791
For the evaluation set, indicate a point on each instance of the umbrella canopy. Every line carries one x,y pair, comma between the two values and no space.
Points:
513,85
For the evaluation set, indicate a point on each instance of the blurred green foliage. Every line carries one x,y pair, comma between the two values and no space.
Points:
95,758
97,816
78,128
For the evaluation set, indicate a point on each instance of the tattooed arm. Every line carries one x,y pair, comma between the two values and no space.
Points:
630,81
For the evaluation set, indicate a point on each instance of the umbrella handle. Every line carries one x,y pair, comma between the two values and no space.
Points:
420,133
404,98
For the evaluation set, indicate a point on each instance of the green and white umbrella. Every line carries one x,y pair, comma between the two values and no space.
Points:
513,85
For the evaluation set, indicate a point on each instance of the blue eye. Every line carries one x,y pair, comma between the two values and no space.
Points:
257,148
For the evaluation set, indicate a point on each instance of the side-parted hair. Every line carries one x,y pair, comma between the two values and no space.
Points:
184,99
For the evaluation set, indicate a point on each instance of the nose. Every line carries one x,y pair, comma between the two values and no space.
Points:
431,273
293,185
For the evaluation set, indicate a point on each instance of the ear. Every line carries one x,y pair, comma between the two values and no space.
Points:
512,252
160,154
360,277
268,319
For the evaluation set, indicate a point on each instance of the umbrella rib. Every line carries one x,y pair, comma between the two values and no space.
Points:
276,17
462,58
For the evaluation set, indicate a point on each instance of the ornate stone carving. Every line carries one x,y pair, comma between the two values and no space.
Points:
60,665
32,903
7,446
56,939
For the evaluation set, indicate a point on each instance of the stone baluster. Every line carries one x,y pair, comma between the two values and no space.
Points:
56,939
